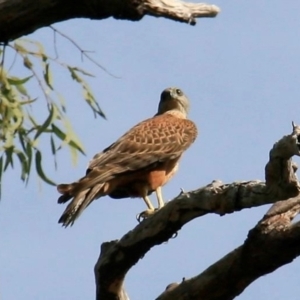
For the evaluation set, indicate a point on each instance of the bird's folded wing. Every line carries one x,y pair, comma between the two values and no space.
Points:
158,139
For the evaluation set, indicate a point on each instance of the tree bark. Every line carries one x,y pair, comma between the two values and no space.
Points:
21,17
271,244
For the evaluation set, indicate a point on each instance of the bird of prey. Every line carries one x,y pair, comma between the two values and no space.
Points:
138,163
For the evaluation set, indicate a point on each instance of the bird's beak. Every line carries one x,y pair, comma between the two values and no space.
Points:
171,93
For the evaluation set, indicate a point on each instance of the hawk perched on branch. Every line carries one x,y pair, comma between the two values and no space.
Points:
138,163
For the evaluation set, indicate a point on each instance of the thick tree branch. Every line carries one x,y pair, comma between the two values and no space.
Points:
280,170
273,243
218,198
21,17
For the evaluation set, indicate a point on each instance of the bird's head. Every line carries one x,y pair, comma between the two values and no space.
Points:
173,99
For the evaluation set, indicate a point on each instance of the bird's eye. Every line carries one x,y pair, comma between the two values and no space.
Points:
179,92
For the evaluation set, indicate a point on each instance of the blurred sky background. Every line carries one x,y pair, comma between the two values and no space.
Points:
241,73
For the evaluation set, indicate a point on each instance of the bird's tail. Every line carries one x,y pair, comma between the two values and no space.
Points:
80,201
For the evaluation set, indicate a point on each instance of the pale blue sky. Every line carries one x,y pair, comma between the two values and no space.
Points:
241,73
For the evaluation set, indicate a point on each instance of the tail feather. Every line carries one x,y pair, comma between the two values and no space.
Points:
79,203
66,191
65,187
93,178
64,198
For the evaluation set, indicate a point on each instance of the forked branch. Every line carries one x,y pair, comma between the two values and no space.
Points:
272,243
281,184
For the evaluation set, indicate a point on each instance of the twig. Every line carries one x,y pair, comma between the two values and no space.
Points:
83,52
54,43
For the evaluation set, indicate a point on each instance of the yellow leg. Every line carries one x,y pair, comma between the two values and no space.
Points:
160,199
148,203
145,214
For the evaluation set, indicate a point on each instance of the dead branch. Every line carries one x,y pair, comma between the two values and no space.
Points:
221,199
21,17
272,243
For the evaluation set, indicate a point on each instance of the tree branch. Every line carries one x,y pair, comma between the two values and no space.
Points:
21,17
273,243
218,198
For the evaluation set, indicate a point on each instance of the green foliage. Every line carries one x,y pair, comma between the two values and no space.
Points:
20,130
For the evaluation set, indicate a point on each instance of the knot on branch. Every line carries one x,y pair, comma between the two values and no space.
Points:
281,178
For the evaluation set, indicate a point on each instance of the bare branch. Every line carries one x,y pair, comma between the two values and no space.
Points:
84,53
110,292
25,16
273,243
180,11
218,198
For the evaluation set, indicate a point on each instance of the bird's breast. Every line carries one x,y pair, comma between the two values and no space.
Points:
162,174
136,183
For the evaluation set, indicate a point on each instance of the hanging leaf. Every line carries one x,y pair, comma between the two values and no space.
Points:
29,160
20,48
47,122
28,101
53,149
9,157
24,165
18,81
27,63
19,119
21,88
74,75
39,169
22,139
48,76
61,135
83,71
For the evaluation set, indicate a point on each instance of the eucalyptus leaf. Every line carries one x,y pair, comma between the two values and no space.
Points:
39,169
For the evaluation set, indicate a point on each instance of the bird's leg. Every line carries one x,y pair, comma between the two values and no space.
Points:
151,210
160,199
145,214
148,203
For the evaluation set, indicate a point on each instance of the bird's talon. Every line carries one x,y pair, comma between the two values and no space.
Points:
174,236
145,214
181,192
